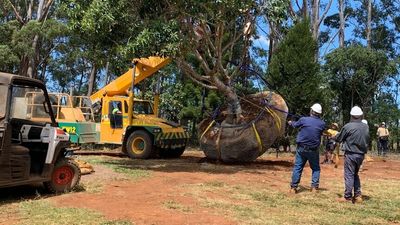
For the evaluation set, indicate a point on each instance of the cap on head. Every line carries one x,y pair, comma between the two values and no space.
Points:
383,123
356,111
335,125
317,108
364,121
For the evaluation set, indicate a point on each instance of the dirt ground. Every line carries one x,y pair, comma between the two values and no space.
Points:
162,197
142,201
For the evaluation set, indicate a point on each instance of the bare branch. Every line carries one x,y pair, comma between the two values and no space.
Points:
207,36
188,69
195,77
45,10
19,18
202,84
298,5
203,63
291,11
330,42
325,12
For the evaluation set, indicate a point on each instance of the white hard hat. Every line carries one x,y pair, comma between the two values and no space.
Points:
383,123
364,121
356,111
317,108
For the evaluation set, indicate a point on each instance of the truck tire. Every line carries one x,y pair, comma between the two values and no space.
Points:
171,153
65,176
139,145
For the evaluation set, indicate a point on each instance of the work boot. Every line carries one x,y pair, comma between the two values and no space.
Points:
314,190
358,199
293,190
344,200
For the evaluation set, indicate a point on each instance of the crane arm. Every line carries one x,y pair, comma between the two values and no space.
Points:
145,67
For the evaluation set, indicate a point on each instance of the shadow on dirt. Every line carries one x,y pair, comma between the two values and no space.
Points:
191,163
22,193
29,192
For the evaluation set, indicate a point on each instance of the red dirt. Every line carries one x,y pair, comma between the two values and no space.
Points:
144,201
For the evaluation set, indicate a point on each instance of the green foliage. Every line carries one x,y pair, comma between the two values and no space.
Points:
355,73
293,71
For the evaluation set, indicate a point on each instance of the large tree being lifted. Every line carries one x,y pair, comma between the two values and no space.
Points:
216,36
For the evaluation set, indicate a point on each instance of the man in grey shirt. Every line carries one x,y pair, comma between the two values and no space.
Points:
355,137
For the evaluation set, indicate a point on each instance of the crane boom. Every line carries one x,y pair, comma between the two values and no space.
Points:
145,67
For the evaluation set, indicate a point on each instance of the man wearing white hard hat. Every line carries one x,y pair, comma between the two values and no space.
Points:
355,137
308,141
383,137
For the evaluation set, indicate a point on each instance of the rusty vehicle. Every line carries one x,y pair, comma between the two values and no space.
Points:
32,151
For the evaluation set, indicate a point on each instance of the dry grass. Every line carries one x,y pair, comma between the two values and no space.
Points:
250,205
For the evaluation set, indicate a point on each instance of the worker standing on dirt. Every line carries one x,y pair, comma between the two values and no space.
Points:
330,143
308,141
354,136
383,138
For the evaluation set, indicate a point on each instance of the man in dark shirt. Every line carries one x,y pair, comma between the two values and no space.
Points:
308,141
354,137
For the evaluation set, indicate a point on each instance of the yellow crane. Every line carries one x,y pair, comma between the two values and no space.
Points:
134,123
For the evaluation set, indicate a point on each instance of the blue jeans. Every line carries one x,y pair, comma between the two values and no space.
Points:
302,155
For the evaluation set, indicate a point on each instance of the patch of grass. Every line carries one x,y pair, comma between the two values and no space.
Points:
40,212
90,187
123,166
250,205
171,204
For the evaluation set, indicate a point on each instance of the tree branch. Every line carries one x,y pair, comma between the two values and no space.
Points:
325,12
188,69
203,63
292,13
45,10
17,16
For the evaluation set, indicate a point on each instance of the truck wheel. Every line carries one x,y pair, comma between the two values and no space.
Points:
139,145
171,153
65,176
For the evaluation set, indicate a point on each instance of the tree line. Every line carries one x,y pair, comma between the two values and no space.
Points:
337,52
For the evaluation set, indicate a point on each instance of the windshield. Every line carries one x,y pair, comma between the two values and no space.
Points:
3,100
29,103
142,108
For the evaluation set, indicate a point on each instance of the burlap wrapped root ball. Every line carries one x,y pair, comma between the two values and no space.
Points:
265,112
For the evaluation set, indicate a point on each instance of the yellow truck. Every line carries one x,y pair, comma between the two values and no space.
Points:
122,119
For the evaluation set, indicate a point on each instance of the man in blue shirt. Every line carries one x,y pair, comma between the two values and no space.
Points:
308,141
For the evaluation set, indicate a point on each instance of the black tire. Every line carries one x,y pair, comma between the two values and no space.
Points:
171,153
65,176
139,145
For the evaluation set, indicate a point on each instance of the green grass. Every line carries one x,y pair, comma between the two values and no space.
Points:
123,166
255,205
38,212
171,204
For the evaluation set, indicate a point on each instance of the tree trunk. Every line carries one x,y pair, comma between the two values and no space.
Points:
92,78
107,73
24,65
369,25
342,23
32,68
234,108
305,9
315,19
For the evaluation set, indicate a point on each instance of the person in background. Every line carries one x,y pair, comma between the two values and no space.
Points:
330,143
308,141
355,137
383,138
